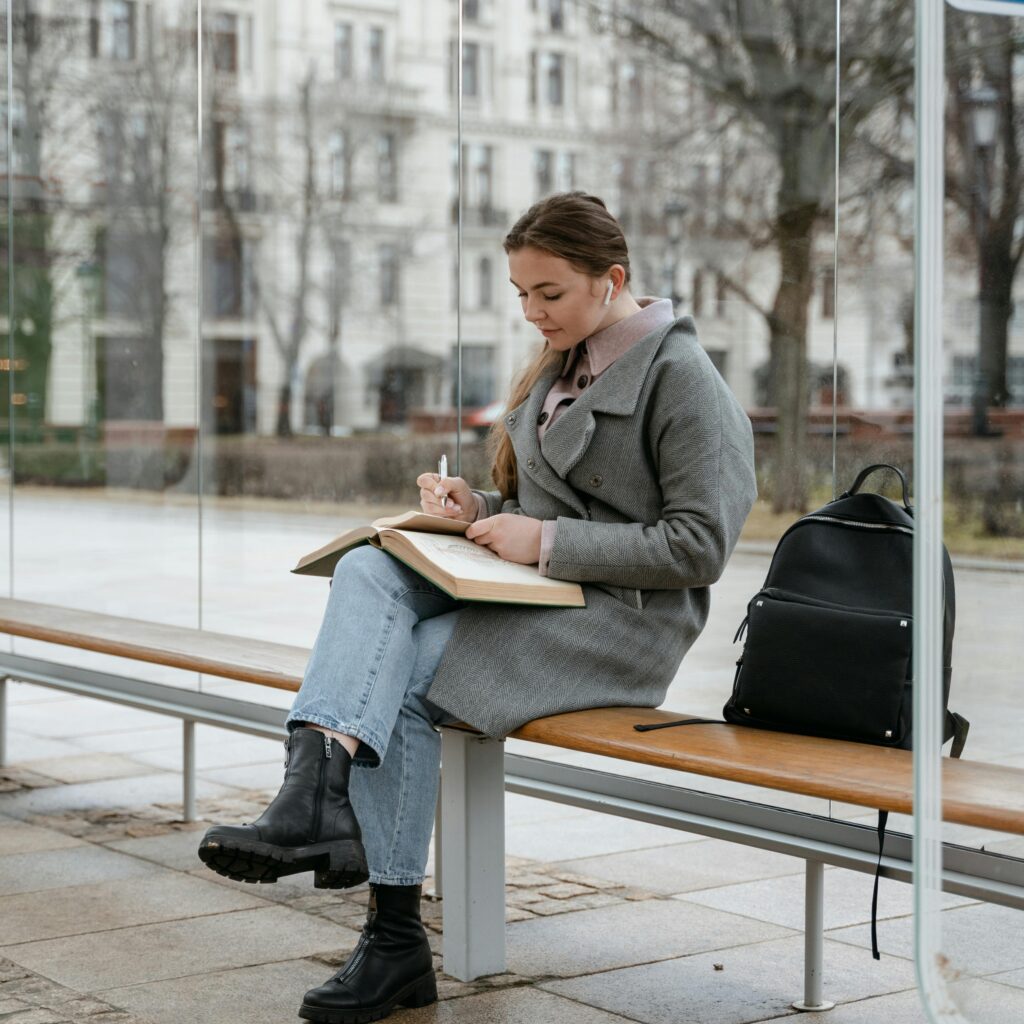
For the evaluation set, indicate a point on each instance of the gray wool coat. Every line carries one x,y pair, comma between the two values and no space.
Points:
650,476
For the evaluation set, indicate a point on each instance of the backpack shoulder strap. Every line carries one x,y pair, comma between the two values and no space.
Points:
960,729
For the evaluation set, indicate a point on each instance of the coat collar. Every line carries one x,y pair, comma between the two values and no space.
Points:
565,443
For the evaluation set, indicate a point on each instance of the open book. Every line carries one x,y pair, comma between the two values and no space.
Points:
435,548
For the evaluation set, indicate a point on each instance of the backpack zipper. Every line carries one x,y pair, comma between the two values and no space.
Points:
792,597
841,521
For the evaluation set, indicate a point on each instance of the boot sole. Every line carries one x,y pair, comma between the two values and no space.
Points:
338,865
421,992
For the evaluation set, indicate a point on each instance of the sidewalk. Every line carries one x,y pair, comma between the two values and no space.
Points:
107,916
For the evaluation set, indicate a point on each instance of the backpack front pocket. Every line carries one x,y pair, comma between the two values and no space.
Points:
823,669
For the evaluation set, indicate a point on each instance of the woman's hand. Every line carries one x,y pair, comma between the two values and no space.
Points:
460,498
514,538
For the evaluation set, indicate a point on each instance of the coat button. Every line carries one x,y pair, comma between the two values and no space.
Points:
542,418
510,419
531,463
582,381
596,481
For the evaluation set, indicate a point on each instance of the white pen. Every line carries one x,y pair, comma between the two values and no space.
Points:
442,472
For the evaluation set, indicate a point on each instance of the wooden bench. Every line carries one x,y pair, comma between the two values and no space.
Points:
478,770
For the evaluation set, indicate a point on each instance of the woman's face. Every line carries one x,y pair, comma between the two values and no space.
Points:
565,305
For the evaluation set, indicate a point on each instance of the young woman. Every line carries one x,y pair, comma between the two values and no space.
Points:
623,462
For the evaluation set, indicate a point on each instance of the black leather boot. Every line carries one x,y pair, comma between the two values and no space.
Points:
309,826
390,966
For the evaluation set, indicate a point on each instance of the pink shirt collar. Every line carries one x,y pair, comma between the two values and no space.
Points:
604,347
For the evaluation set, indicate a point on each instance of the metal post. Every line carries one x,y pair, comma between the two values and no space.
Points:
3,721
473,801
438,890
814,938
189,770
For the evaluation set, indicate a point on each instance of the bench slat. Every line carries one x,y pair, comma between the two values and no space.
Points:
974,793
197,650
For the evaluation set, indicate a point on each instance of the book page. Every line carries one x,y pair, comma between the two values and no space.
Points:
468,561
421,522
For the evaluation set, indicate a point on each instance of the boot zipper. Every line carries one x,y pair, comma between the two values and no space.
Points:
318,798
357,957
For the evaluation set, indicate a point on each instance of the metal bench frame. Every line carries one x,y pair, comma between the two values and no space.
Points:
478,771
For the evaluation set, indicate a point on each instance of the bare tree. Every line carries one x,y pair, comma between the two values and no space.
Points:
985,176
772,63
40,47
143,116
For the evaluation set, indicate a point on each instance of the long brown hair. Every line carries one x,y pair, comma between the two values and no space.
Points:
578,228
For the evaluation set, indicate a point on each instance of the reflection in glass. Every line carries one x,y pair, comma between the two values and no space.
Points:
100,177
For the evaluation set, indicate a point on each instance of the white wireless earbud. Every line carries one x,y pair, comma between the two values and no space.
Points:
608,294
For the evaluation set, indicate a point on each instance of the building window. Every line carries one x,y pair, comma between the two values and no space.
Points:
377,55
533,78
1015,380
828,293
485,280
556,15
231,164
228,277
342,50
477,375
554,79
338,289
338,163
697,289
471,10
388,270
543,169
112,29
482,194
721,291
387,167
566,171
123,18
634,87
14,162
225,43
471,69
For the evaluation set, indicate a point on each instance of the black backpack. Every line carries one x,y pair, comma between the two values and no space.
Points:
828,648
829,635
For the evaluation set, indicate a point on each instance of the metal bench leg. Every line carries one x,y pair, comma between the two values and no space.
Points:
814,938
473,801
3,721
438,891
189,769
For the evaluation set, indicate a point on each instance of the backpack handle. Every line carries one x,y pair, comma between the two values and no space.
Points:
864,473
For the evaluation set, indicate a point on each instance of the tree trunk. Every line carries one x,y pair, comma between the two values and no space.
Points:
284,407
995,306
788,348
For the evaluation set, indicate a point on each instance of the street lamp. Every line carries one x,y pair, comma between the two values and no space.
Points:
674,212
983,109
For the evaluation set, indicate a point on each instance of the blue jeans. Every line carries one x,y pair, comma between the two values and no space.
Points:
381,640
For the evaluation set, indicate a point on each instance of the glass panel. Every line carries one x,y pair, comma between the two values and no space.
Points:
101,179
723,186
327,328
6,271
955,940
980,954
